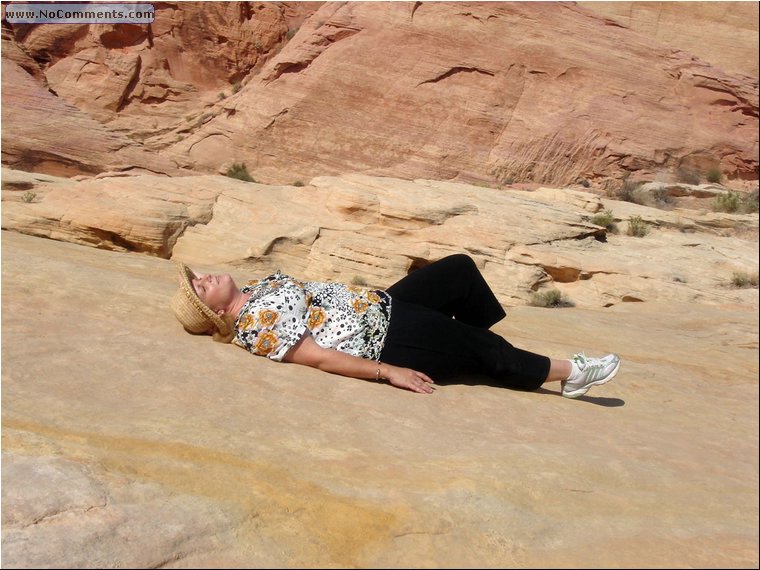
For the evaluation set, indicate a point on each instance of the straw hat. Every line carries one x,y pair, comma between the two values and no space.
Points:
193,313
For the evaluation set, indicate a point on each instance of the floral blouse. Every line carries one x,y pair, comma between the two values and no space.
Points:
281,309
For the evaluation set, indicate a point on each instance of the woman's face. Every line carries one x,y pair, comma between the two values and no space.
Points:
216,291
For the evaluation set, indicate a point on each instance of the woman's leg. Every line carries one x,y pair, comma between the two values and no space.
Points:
453,286
559,370
443,348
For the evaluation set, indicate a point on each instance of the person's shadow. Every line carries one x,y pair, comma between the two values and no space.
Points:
487,381
598,400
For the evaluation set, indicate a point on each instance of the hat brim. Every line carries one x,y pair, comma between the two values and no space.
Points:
194,314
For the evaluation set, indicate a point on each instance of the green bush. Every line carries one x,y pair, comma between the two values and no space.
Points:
727,202
298,183
605,219
736,202
240,172
28,196
750,202
553,298
627,190
743,280
714,175
637,227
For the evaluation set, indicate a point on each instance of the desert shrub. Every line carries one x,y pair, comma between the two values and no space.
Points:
298,183
750,202
714,175
240,172
359,281
585,183
627,190
553,298
743,280
202,119
727,202
605,219
28,196
661,198
236,87
736,202
637,227
635,193
290,33
687,176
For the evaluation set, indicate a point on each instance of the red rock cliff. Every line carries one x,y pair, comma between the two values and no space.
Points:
493,92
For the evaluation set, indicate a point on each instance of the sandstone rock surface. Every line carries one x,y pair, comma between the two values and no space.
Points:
126,74
128,443
43,133
83,99
480,92
369,228
492,92
723,33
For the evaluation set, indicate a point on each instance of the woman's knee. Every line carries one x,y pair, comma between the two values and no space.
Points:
462,261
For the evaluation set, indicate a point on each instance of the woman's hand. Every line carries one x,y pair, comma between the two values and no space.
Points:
408,378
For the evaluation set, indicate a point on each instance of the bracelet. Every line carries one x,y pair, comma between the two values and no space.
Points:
377,372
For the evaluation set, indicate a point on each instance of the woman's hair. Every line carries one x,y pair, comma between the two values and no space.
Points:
229,320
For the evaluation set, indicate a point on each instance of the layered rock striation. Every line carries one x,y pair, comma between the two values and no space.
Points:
127,442
544,92
374,229
498,92
83,99
723,33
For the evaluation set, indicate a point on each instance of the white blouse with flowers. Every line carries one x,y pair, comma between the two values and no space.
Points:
281,309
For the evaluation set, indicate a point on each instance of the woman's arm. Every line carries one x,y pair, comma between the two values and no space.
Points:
308,352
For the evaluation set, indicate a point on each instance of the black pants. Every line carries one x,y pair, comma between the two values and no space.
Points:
440,316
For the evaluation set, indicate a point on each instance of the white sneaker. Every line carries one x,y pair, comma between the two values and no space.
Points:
590,372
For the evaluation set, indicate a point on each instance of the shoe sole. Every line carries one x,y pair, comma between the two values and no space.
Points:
587,387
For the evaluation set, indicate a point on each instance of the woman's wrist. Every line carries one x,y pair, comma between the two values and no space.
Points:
381,371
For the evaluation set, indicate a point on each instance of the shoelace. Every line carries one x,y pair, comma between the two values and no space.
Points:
581,360
590,367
